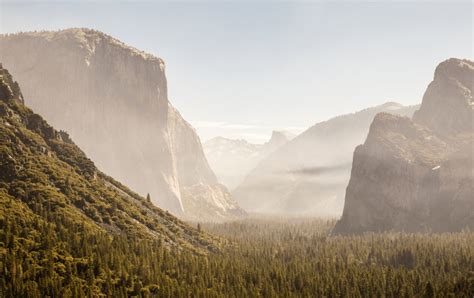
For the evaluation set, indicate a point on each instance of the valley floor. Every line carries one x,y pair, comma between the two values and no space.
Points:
258,258
298,257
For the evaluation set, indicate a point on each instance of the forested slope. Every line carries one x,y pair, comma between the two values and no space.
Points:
68,230
63,222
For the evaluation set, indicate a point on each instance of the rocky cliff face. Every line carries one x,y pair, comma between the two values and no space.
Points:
417,175
309,174
233,159
447,103
9,89
45,179
112,99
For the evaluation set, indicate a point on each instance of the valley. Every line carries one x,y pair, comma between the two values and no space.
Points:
238,149
269,257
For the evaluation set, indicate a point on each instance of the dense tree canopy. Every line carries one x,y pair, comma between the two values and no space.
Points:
66,229
262,258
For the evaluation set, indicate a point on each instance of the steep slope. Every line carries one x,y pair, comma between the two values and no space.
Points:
418,175
67,229
43,171
309,174
112,99
231,159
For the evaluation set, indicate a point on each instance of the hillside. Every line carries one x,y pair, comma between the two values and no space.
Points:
55,204
68,230
113,101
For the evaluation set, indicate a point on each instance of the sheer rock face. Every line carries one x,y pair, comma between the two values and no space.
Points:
447,106
43,169
417,175
112,99
309,174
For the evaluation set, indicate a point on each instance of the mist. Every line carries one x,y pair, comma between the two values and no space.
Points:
236,149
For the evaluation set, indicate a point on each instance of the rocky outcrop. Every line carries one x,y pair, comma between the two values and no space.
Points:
112,99
9,89
231,159
205,200
447,103
309,174
417,175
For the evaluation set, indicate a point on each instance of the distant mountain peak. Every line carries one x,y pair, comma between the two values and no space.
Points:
392,105
278,139
281,135
232,159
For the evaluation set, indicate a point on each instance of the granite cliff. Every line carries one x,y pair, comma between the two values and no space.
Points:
45,179
112,99
417,174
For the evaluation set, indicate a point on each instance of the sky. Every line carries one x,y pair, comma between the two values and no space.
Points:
241,69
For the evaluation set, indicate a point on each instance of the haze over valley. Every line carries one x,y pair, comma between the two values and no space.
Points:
282,149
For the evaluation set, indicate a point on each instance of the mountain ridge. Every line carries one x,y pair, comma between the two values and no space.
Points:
232,159
308,176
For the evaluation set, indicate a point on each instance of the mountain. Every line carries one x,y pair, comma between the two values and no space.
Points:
418,174
277,140
231,159
69,230
113,100
308,175
45,177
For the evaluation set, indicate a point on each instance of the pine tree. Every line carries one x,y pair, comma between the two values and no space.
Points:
429,291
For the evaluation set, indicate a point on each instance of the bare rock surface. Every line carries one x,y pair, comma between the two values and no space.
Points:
113,100
417,174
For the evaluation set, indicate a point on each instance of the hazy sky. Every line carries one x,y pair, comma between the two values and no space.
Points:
243,68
